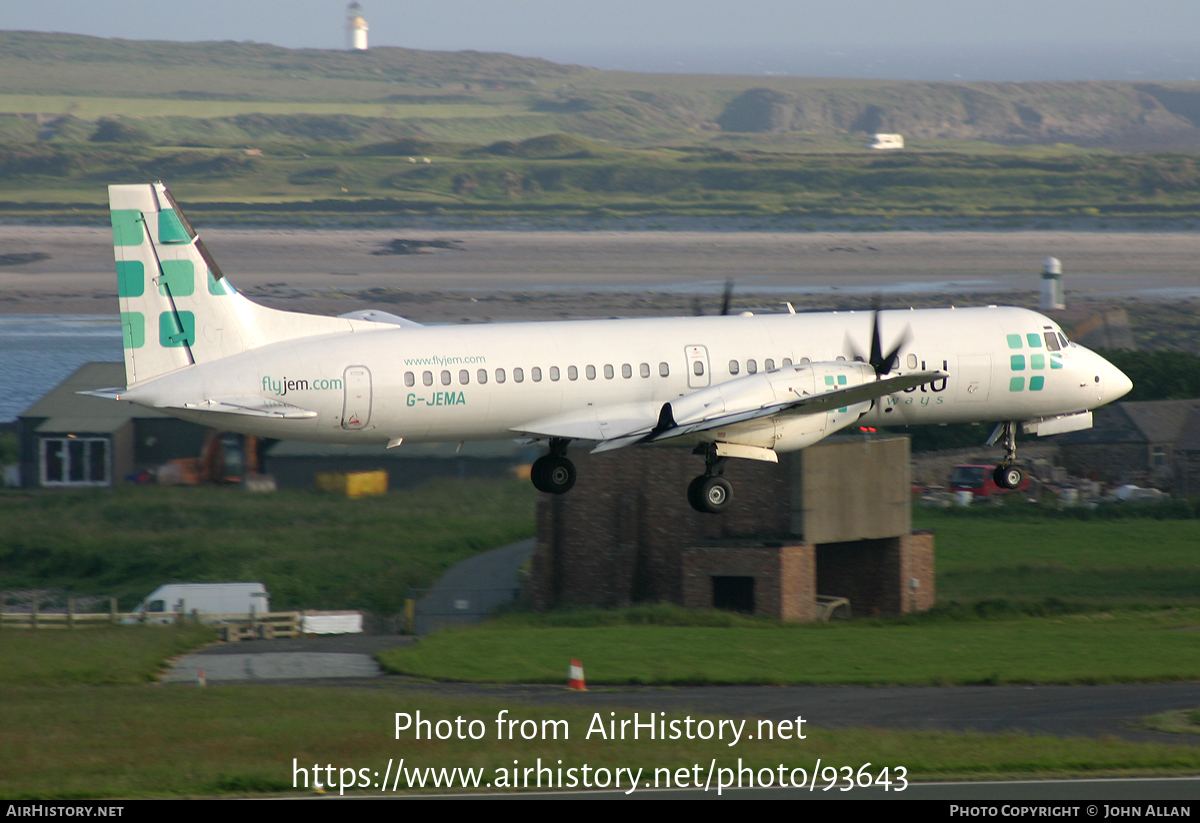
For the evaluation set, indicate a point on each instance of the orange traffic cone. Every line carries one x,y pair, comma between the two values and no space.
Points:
575,676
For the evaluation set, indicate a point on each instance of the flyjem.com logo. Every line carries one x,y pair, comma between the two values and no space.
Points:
283,385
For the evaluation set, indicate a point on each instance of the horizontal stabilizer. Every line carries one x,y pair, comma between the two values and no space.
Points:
251,407
377,316
104,394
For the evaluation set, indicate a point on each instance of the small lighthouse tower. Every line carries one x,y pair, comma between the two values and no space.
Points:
356,28
1052,298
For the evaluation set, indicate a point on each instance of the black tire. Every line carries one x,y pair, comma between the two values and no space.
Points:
1008,477
714,494
693,494
558,475
537,474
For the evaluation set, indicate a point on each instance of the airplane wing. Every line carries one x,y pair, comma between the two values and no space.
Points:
619,426
811,404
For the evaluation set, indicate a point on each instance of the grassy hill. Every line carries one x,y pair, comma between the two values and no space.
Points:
331,133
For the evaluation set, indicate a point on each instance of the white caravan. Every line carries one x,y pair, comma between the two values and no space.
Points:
737,386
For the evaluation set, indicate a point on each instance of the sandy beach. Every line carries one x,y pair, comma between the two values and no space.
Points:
499,275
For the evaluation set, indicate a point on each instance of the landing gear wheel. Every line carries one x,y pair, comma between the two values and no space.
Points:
552,474
713,495
693,493
1008,477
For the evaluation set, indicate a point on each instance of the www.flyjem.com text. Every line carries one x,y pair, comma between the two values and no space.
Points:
549,773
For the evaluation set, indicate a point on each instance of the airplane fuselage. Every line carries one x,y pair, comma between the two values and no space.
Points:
479,382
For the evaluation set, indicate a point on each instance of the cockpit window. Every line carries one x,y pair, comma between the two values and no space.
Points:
1063,339
1051,341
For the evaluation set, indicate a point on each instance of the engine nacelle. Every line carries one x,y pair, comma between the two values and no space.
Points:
759,391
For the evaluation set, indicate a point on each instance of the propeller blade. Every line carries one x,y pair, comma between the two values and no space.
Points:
880,362
728,295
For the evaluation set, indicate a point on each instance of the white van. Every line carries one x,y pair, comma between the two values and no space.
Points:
207,598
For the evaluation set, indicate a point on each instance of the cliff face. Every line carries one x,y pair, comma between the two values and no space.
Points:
1114,113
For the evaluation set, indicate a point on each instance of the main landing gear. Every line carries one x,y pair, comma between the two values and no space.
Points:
1007,475
710,493
553,473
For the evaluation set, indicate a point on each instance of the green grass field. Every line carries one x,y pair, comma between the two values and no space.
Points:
310,549
95,655
1028,555
1127,646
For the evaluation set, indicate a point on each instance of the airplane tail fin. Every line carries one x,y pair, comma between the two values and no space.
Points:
177,307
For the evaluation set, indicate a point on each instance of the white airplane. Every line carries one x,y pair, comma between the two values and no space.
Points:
738,386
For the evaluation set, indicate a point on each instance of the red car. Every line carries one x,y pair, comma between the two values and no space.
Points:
986,479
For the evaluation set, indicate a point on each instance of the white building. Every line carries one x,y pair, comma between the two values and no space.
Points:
887,141
356,28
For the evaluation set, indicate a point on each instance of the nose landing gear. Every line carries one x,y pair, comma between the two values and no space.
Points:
710,493
1007,475
553,473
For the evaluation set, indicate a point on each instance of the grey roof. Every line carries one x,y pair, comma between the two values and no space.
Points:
62,400
1149,421
1190,441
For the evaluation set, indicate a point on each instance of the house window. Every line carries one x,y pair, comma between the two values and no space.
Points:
1158,456
75,461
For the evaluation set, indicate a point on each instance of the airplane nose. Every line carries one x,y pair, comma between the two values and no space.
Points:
1114,383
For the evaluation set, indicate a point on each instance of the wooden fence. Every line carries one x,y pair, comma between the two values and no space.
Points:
231,627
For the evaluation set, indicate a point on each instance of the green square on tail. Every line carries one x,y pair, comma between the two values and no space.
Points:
131,278
127,227
179,276
172,334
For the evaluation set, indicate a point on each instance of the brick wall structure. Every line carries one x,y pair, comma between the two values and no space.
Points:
626,534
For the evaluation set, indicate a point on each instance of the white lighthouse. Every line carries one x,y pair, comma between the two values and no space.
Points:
356,28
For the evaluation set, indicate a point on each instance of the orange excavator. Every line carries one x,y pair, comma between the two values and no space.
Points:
227,457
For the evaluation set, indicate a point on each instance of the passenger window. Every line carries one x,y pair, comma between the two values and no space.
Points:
644,369
536,374
572,373
697,368
427,378
804,361
518,375
842,358
608,372
481,375
1051,341
751,367
554,373
499,375
664,370
787,361
733,367
446,377
410,379
464,376
627,371
911,361
590,371
769,364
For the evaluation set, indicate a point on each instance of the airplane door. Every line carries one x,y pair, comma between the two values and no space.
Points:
356,408
973,379
697,367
